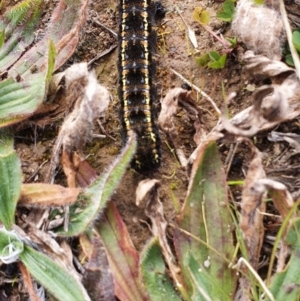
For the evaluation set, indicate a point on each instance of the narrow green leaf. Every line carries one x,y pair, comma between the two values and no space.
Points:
95,197
206,216
10,179
153,273
296,39
289,60
60,283
2,37
51,61
232,41
122,256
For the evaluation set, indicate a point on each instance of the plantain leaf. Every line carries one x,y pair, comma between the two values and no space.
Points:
122,256
153,273
10,179
17,28
63,29
61,284
94,198
206,217
29,71
204,284
19,99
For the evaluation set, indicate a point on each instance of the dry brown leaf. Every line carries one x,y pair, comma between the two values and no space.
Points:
292,138
28,282
283,202
251,220
169,106
47,195
85,174
77,170
69,169
98,279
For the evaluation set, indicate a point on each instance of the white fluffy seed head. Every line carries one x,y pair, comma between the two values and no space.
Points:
75,72
92,100
260,27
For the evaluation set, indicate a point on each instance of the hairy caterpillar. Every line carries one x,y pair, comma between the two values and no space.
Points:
136,88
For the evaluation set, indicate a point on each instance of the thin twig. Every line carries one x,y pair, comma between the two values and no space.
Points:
104,131
36,172
199,91
261,282
95,21
100,55
231,156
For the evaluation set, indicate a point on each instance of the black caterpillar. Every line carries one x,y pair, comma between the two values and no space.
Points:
136,88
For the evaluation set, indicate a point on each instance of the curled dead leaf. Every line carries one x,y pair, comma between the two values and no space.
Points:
98,279
272,104
169,106
147,194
